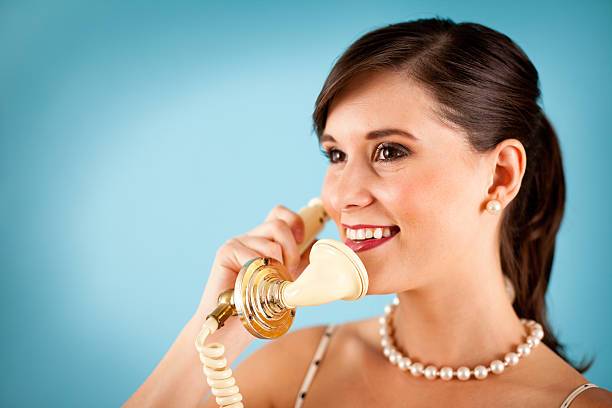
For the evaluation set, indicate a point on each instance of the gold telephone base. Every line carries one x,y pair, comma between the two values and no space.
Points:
256,299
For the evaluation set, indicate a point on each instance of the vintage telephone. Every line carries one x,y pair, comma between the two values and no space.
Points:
265,298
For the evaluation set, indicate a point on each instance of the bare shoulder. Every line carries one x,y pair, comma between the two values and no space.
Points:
593,398
555,380
273,374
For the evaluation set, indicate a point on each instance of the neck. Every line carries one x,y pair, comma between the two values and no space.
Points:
458,322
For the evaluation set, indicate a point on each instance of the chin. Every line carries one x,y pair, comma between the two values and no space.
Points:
384,278
380,283
373,290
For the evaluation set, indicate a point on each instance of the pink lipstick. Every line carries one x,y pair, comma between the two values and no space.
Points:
359,245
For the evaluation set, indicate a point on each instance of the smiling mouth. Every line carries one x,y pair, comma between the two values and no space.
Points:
363,237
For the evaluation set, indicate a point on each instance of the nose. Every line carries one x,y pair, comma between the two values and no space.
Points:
352,187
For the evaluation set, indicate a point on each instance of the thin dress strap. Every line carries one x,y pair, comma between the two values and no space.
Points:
575,393
312,369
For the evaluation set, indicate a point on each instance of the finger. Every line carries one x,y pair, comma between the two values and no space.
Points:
277,230
234,254
263,246
292,219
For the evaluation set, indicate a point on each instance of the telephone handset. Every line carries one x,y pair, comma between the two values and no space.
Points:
264,297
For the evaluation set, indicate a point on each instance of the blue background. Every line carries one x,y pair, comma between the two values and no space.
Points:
135,139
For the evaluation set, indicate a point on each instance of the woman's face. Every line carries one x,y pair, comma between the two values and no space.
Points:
394,165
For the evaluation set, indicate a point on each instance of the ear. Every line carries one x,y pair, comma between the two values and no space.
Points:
508,162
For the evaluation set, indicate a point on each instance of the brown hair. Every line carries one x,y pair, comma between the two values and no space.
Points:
485,84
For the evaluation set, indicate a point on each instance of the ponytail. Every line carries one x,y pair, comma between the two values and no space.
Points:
530,227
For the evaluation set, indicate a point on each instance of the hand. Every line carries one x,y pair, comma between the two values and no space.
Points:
278,237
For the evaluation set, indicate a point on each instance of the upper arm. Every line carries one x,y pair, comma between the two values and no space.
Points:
271,376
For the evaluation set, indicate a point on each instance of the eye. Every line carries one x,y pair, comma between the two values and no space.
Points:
387,152
334,155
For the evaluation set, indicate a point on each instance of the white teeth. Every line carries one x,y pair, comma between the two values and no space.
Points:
367,233
378,233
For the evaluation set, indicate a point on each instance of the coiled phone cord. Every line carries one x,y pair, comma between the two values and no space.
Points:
218,374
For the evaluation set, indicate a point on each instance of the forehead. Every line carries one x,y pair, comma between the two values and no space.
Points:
381,100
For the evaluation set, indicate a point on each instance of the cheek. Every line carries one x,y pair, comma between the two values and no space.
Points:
435,209
440,212
413,197
327,191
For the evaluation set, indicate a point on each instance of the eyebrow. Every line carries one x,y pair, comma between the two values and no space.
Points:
374,134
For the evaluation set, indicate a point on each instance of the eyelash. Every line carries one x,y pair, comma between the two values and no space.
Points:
400,151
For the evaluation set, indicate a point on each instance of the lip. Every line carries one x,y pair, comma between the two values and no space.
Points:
358,226
368,243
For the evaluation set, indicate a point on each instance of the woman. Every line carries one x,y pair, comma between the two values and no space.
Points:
432,130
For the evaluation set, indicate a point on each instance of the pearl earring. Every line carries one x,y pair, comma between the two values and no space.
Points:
494,207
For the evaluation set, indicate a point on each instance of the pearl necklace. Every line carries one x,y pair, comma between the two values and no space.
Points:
536,333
